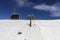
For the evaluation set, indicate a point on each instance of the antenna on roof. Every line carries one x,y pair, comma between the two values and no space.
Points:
14,9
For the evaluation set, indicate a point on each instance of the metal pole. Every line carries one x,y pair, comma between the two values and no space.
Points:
30,23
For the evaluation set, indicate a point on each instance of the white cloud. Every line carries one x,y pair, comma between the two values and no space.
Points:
22,3
53,9
42,7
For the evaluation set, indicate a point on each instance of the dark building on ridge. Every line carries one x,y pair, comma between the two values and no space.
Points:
15,15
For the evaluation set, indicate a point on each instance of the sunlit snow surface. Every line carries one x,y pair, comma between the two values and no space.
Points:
40,30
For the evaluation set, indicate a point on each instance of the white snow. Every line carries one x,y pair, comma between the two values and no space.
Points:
40,30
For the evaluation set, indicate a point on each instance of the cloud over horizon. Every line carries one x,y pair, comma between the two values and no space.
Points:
53,9
22,3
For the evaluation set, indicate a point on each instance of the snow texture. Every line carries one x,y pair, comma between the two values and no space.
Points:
40,30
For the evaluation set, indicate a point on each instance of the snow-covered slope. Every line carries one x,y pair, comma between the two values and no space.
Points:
40,30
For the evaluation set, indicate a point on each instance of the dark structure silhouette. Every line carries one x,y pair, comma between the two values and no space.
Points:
31,17
15,15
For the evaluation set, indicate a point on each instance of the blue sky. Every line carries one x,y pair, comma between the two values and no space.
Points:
42,9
